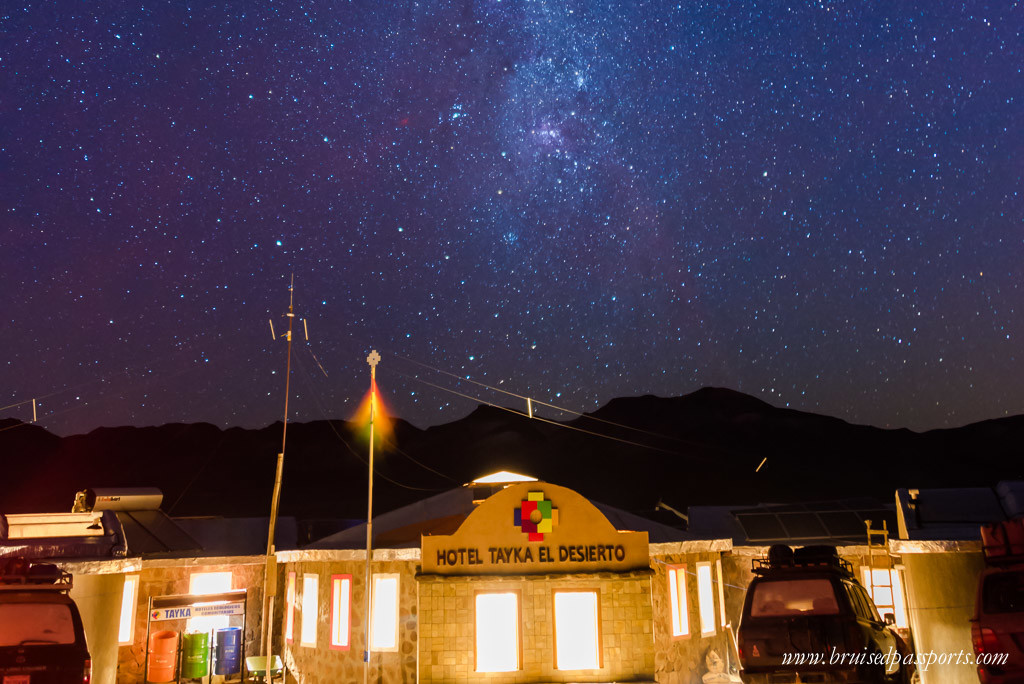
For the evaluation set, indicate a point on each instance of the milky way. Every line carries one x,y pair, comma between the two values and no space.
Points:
817,203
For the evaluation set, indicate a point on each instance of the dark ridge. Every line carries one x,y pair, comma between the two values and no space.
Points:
702,448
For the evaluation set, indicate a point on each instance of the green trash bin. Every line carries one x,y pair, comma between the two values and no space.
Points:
195,655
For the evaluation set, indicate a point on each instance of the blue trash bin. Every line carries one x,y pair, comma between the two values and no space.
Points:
229,651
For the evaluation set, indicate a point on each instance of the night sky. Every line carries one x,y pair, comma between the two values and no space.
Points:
816,203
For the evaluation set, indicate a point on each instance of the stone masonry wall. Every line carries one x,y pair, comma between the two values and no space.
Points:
681,660
321,664
165,580
447,627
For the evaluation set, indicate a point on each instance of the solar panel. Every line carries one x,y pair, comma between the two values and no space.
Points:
761,526
837,520
843,524
803,525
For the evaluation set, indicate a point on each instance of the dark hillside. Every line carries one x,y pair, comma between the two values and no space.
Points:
702,448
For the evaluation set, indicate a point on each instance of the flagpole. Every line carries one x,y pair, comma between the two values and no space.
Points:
373,359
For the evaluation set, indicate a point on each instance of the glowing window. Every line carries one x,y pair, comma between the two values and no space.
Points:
885,587
289,609
341,608
576,631
129,597
677,598
208,583
384,613
497,632
310,585
705,599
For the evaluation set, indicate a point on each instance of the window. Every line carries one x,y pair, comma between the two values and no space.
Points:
576,631
861,602
885,587
289,609
677,597
384,613
1003,592
208,583
705,599
341,610
48,623
778,598
129,597
310,585
497,632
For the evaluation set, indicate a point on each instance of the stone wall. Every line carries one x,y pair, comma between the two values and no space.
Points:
320,664
447,627
681,660
166,578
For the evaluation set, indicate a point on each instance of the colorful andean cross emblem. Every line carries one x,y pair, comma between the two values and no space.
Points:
535,516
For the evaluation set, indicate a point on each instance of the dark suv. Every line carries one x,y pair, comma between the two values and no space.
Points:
807,619
41,636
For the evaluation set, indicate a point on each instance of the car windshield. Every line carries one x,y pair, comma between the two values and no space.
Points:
36,623
1004,592
775,598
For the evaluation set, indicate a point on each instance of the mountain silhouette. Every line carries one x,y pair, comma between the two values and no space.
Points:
702,448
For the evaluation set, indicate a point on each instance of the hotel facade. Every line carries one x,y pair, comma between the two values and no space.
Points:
533,584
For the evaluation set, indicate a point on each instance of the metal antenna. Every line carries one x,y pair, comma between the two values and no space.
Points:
270,571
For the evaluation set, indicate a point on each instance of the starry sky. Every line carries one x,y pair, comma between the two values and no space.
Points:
814,202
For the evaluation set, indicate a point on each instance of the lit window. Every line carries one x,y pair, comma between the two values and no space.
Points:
576,631
289,609
384,613
309,610
208,583
129,597
341,602
885,587
705,599
497,632
677,597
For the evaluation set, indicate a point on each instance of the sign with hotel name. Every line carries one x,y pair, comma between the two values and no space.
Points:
534,527
197,610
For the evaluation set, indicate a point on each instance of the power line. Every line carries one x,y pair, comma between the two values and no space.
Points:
540,403
543,420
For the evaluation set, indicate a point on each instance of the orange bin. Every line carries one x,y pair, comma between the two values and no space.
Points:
163,656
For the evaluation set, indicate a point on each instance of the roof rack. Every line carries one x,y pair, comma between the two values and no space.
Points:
20,574
782,557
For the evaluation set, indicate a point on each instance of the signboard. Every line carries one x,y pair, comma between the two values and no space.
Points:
197,610
534,527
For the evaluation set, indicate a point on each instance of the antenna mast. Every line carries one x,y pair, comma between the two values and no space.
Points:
270,571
